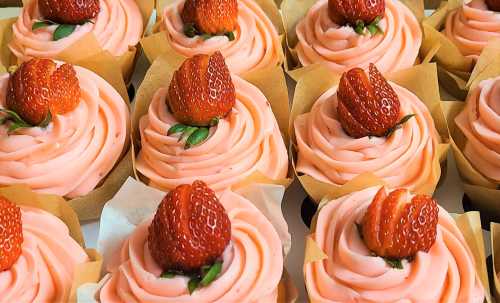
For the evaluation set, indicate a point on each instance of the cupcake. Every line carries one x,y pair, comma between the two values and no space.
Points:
333,33
365,127
62,130
50,28
209,125
243,33
381,245
197,247
39,260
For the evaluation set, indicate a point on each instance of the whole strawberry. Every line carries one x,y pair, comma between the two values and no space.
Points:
190,229
366,106
211,16
38,87
493,5
396,227
354,11
11,234
69,11
201,90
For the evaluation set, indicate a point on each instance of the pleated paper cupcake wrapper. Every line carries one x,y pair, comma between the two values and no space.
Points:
87,48
158,43
420,80
294,11
495,253
469,224
270,81
135,202
88,272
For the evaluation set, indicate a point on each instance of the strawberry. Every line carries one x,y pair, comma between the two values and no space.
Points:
211,16
366,106
394,227
190,229
355,11
38,87
493,5
11,234
201,90
69,11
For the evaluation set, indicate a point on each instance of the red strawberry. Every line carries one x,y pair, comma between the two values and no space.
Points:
493,5
38,86
69,11
201,90
353,11
190,229
366,107
11,234
394,227
211,16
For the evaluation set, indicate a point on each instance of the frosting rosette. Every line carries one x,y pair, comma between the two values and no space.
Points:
407,158
472,26
340,48
350,273
480,123
45,270
117,27
256,44
251,270
247,141
76,151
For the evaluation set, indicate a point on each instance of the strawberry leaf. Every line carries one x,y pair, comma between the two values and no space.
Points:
230,36
211,274
197,137
398,125
17,122
359,28
214,121
193,284
177,128
63,30
46,121
40,24
187,133
190,30
169,274
394,263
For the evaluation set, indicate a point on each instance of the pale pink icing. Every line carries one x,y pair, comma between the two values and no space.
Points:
118,25
248,140
351,274
328,154
472,26
252,264
76,151
341,48
256,44
480,123
44,271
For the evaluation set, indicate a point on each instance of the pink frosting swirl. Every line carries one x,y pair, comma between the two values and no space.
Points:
256,44
248,140
472,26
251,271
351,274
328,154
340,48
44,271
117,26
480,123
76,151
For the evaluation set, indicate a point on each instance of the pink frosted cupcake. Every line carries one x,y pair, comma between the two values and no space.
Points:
41,262
62,129
472,26
209,125
244,34
419,256
386,33
199,248
367,125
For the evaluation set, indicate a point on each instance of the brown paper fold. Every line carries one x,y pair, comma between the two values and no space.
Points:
88,272
495,251
420,80
270,81
294,11
85,48
287,292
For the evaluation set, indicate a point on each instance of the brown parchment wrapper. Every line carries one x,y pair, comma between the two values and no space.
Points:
21,195
158,43
85,48
495,251
420,79
469,224
294,11
270,80
135,202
